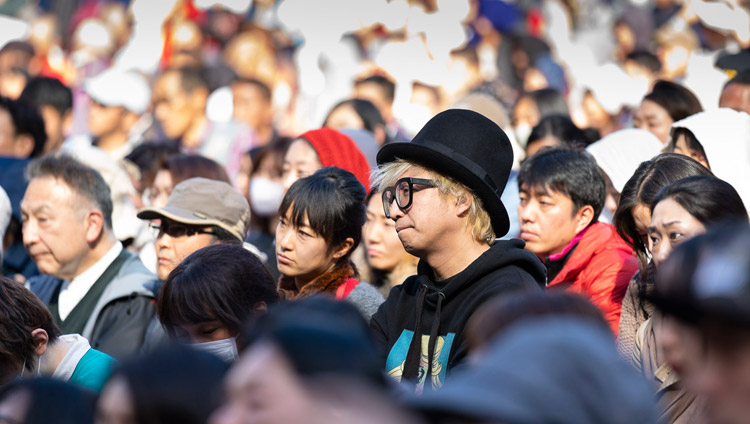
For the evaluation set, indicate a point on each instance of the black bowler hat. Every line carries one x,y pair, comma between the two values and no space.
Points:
467,147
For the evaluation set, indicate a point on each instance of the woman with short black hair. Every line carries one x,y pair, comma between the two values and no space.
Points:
320,225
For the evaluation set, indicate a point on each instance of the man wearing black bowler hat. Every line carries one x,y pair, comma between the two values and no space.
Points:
443,192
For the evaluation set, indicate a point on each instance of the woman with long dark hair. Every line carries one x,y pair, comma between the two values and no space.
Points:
632,219
680,211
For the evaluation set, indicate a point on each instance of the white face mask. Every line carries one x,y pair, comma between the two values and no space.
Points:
522,132
225,349
265,196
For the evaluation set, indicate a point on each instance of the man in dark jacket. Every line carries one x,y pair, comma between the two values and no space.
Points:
443,192
92,286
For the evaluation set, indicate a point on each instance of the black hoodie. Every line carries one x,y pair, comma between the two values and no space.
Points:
444,307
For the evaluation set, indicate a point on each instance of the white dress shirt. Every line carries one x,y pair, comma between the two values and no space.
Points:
74,290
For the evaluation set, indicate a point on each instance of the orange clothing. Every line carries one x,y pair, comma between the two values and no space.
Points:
599,268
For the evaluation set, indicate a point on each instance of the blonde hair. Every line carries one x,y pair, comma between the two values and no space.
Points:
479,221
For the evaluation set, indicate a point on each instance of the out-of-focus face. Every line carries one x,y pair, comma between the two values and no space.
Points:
596,115
171,251
737,97
250,106
12,84
548,220
525,117
54,126
670,225
655,119
301,253
104,120
115,405
175,109
681,345
56,227
525,112
300,161
722,377
534,79
159,192
384,249
625,37
344,116
372,92
262,388
8,145
681,148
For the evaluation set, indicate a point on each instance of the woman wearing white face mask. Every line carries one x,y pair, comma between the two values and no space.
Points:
264,195
208,298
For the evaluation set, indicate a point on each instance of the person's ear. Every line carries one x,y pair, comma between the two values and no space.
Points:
584,217
463,204
41,339
343,248
94,225
23,145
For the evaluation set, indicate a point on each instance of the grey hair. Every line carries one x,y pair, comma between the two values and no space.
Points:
83,180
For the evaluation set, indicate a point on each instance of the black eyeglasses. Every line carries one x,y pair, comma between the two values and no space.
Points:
402,193
175,230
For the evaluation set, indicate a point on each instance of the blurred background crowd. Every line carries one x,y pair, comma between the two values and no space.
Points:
210,120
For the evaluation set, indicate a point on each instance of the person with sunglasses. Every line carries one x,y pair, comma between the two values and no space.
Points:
200,212
443,191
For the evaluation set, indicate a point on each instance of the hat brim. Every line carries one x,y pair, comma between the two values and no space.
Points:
458,168
183,216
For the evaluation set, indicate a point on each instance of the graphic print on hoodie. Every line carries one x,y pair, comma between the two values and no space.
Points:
440,309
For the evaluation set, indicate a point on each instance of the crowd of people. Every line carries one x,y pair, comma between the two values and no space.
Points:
404,211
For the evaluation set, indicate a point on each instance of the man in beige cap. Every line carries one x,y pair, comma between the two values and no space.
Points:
200,212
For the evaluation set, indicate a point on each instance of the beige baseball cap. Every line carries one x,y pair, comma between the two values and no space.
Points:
201,201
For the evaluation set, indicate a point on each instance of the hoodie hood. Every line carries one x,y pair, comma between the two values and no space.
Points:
517,380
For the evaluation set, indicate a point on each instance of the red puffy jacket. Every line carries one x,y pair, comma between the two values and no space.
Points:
599,268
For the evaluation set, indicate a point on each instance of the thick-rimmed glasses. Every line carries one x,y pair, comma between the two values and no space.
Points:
402,192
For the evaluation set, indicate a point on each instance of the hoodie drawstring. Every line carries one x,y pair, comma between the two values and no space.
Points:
434,332
413,356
